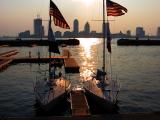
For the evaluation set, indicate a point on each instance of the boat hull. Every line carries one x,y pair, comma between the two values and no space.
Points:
57,106
99,105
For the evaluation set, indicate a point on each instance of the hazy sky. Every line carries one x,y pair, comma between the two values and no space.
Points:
18,15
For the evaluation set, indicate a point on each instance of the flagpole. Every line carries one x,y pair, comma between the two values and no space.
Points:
50,20
104,31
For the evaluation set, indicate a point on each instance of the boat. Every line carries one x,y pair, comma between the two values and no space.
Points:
52,91
102,88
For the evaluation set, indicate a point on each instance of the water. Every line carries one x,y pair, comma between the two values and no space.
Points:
138,70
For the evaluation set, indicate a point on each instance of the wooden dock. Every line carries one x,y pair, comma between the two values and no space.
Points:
5,59
71,66
9,53
4,63
79,104
3,46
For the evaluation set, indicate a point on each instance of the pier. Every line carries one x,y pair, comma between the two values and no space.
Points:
71,66
4,63
9,53
5,59
70,63
79,104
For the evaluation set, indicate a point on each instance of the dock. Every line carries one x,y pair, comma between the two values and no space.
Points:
3,46
9,53
5,59
135,42
79,104
71,66
70,63
4,63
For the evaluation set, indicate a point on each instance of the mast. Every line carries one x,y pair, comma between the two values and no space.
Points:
49,48
104,31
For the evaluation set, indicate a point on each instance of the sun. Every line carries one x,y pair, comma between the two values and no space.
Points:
87,2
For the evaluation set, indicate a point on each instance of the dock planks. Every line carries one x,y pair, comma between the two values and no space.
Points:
9,53
79,104
4,63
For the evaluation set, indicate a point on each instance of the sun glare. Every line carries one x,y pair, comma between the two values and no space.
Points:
87,2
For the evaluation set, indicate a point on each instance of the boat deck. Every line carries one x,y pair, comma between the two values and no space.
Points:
91,85
79,103
59,87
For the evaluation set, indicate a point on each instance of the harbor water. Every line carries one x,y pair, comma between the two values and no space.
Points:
136,67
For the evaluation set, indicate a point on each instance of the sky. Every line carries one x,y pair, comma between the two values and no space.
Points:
17,15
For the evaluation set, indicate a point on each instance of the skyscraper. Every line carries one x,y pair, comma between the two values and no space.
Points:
140,32
75,28
87,28
158,32
38,28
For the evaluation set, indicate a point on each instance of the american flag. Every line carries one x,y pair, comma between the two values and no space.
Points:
115,9
57,16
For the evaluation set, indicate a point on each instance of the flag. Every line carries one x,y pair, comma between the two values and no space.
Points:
53,46
57,16
115,9
108,37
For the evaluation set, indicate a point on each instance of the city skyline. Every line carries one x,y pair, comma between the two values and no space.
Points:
86,32
18,15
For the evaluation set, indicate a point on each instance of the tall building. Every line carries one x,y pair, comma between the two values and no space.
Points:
75,28
25,34
128,33
87,29
38,28
158,32
140,32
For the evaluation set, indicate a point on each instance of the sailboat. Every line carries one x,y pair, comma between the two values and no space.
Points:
53,90
102,89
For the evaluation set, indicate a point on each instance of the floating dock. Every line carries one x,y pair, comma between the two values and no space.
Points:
9,53
71,66
31,42
79,104
135,42
4,63
5,59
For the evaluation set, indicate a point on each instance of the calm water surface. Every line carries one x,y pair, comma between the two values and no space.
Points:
138,70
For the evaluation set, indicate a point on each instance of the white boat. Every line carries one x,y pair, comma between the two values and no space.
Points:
52,91
102,89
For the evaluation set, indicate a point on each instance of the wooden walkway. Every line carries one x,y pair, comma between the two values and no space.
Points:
79,104
9,53
3,46
71,66
4,63
5,59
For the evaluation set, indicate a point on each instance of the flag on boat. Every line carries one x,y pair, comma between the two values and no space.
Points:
115,9
57,16
53,46
108,37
